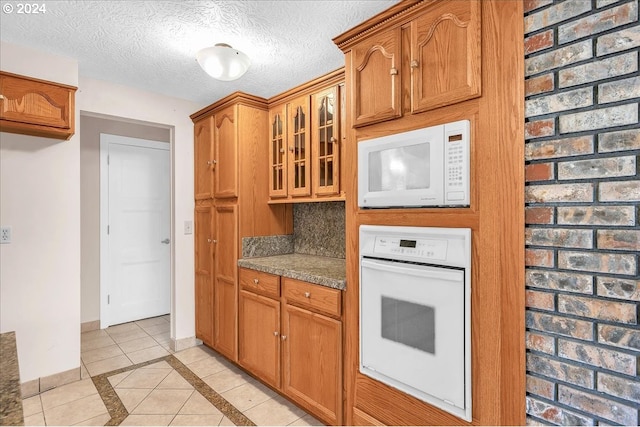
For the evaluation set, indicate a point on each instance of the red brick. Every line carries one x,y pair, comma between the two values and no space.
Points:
619,239
538,258
540,84
598,262
539,342
539,172
615,191
559,193
555,369
597,405
540,300
619,387
566,147
530,5
598,309
539,128
538,215
619,337
597,215
555,414
564,237
598,22
538,42
601,357
557,280
557,13
613,287
559,325
541,387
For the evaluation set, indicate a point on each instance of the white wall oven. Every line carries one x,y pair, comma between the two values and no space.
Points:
415,312
422,167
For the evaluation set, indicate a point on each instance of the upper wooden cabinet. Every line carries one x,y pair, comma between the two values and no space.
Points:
225,161
305,145
36,107
203,158
432,56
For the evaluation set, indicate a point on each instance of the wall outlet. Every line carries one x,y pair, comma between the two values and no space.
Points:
5,235
188,227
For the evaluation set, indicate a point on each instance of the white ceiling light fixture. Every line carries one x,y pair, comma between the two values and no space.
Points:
223,62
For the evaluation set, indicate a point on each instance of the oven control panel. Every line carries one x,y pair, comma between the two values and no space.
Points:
416,248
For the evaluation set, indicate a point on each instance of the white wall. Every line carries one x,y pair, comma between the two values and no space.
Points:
100,97
40,200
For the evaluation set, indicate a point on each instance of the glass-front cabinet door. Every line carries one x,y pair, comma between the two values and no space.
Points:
326,148
278,151
299,147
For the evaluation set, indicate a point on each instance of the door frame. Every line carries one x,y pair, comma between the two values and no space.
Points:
104,215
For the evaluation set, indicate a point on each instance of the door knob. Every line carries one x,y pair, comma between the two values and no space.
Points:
166,241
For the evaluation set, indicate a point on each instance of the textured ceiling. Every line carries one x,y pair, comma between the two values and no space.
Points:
152,44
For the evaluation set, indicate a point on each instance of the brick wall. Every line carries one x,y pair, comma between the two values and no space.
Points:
582,196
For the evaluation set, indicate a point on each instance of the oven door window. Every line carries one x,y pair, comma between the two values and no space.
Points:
412,333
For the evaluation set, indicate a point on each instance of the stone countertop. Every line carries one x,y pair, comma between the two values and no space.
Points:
10,392
325,271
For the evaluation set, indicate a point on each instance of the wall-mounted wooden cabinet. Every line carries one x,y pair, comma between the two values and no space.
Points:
203,158
292,340
434,58
36,107
305,142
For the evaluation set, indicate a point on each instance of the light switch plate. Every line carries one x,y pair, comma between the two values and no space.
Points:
5,235
188,227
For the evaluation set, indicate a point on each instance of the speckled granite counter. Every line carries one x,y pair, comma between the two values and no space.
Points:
10,393
325,271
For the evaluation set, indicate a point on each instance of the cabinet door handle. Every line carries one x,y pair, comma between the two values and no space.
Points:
393,71
209,162
333,140
275,333
307,294
2,97
215,241
415,63
209,240
284,337
256,281
282,150
291,149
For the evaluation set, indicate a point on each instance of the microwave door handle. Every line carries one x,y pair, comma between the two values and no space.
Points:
414,270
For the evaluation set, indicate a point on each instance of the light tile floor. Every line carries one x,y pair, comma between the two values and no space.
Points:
156,393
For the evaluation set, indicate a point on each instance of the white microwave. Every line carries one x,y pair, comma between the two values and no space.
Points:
423,167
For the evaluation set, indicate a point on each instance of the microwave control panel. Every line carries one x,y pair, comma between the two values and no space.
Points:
456,145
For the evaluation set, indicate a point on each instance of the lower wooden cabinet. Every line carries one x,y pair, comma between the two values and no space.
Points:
292,340
203,237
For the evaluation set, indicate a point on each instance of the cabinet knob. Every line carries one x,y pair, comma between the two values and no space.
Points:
282,150
209,162
209,240
414,63
333,140
275,333
393,71
2,97
307,294
284,337
291,149
215,241
256,281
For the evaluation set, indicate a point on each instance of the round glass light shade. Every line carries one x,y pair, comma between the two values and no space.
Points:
223,62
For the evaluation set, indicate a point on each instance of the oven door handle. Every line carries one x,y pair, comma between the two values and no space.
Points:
413,269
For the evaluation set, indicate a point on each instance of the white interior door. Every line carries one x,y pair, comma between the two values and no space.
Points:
136,278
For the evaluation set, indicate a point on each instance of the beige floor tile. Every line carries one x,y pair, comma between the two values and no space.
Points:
209,366
196,420
175,381
158,365
108,365
131,397
124,327
137,344
31,406
151,321
83,372
114,380
93,334
248,395
193,354
67,393
100,420
167,317
274,412
226,422
147,354
198,405
76,411
99,342
226,380
147,420
101,353
131,335
163,402
35,420
157,329
144,378
307,420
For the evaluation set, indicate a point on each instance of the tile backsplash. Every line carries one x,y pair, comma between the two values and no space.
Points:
319,229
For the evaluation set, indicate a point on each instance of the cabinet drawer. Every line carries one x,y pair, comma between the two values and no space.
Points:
313,297
259,282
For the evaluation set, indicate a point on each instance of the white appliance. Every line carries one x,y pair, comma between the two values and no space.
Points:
415,312
423,167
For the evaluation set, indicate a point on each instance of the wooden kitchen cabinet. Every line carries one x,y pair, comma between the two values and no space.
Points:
438,65
325,124
293,340
278,178
225,288
225,162
203,236
299,141
36,107
203,158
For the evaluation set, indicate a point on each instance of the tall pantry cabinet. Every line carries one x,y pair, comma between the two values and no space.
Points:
230,148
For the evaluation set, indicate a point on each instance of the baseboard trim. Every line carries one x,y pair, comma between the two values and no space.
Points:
42,384
183,343
90,326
